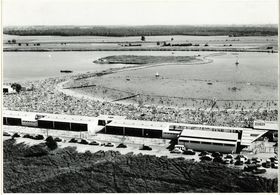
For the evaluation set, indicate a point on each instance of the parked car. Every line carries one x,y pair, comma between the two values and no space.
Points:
109,145
16,135
121,145
189,152
274,165
249,168
181,147
259,171
95,143
203,153
145,147
229,156
216,154
272,159
248,161
57,139
238,162
218,159
267,164
28,136
83,141
6,134
206,157
177,151
226,161
39,137
73,140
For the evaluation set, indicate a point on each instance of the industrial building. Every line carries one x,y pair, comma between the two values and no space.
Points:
193,136
50,121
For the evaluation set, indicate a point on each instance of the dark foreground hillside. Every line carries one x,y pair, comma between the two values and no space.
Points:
35,169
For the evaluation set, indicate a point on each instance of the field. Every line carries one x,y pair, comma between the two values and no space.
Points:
130,43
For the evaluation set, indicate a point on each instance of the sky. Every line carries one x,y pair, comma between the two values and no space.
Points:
139,12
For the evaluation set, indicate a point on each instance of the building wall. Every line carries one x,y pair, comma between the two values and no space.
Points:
207,147
29,123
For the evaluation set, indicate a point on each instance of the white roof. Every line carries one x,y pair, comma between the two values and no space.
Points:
47,116
10,113
206,126
108,117
206,140
209,134
140,124
267,125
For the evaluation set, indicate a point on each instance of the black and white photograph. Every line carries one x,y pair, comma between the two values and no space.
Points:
140,96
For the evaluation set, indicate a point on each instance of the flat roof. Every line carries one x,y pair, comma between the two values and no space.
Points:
206,126
268,125
140,124
209,134
48,116
206,140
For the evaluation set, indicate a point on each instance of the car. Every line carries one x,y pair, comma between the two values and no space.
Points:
216,154
203,153
16,135
73,140
83,141
248,161
274,165
181,147
57,139
218,159
258,171
249,168
272,159
189,152
109,145
177,151
39,137
94,143
28,136
121,145
6,134
206,157
229,156
238,163
145,147
226,161
267,164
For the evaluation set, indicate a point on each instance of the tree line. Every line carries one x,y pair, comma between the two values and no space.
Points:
232,31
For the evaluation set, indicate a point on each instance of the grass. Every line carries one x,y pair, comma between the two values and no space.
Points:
133,59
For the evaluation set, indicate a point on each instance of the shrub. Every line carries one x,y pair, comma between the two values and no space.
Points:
51,143
36,151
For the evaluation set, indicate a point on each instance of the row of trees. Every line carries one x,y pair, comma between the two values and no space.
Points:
232,31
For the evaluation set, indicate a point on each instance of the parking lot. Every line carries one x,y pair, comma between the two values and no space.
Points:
133,145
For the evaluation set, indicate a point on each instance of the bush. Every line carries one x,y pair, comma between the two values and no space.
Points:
15,135
36,151
51,143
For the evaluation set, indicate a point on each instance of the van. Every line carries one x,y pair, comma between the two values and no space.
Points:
181,147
